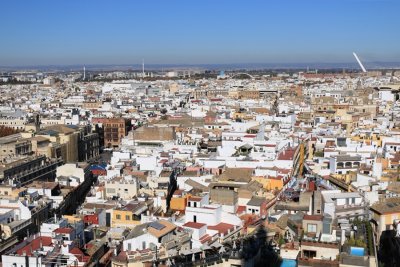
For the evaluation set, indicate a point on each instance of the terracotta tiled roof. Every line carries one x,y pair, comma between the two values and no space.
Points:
287,154
205,238
194,225
222,228
240,209
194,198
43,241
63,230
159,233
79,254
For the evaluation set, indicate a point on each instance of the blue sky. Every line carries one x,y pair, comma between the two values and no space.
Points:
197,32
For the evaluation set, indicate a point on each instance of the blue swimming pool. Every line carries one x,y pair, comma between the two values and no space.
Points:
288,263
357,251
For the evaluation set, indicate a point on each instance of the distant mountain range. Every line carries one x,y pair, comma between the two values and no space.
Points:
167,67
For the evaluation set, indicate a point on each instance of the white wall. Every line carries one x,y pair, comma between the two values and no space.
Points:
46,229
147,163
386,96
20,261
70,169
137,242
117,156
204,215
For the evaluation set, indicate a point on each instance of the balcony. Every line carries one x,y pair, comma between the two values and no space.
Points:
36,172
350,207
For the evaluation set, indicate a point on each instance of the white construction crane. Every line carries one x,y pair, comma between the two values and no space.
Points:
359,62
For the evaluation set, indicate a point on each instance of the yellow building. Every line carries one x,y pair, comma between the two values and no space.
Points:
343,117
384,214
233,94
62,134
92,105
13,193
249,94
269,183
129,215
72,219
371,138
243,116
390,172
174,87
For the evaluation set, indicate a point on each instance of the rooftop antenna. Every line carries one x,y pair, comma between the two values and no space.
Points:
359,62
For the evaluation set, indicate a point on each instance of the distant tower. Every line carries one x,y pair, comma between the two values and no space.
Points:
143,68
84,73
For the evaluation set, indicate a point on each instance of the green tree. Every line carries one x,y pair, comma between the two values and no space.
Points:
281,240
360,243
351,242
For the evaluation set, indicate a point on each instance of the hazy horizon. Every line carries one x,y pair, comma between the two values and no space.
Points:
211,66
42,33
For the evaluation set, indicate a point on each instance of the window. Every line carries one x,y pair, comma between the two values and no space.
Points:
309,254
129,246
311,228
127,217
194,218
118,217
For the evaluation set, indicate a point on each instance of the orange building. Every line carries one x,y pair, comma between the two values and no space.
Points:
270,183
179,200
114,129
